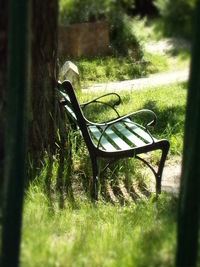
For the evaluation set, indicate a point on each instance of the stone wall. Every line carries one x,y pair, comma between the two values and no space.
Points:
85,39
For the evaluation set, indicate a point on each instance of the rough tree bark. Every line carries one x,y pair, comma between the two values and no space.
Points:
44,76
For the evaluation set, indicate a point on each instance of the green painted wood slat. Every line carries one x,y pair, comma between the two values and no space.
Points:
71,113
95,132
129,135
139,131
117,139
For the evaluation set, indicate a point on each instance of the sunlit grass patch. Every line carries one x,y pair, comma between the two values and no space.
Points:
105,69
157,63
98,235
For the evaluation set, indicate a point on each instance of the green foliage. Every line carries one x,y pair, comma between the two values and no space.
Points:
177,16
77,11
123,39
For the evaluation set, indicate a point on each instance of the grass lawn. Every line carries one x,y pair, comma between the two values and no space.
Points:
106,69
141,233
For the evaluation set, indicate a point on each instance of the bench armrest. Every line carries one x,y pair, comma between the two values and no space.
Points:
128,116
97,99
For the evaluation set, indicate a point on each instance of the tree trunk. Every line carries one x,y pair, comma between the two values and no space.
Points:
47,127
44,77
189,203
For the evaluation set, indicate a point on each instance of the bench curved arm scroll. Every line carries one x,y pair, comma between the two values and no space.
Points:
128,116
98,100
116,103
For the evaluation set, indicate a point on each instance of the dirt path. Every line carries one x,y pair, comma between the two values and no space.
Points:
171,176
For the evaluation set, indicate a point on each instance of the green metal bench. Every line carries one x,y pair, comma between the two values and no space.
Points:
118,138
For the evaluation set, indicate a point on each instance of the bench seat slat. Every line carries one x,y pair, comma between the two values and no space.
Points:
68,106
104,142
129,135
70,111
139,131
65,96
117,139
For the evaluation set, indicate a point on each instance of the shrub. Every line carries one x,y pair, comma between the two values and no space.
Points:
78,11
123,40
122,33
177,16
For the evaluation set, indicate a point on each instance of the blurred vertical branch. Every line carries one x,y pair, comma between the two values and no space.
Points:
3,85
16,128
189,203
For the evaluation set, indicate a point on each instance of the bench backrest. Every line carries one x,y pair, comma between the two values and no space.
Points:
74,111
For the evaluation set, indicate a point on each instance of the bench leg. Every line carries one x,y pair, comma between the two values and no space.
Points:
94,185
164,149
